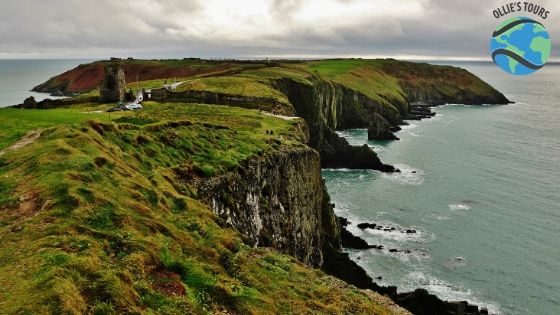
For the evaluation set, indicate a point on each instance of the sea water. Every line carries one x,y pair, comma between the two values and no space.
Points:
18,77
481,185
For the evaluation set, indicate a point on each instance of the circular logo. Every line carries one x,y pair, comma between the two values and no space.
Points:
520,45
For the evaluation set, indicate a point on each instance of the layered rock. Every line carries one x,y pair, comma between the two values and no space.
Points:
327,106
278,200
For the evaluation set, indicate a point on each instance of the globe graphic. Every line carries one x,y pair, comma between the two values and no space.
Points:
520,45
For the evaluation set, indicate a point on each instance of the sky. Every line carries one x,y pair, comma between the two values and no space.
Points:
406,29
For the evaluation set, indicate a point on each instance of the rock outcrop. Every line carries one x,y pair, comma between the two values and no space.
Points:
326,107
278,200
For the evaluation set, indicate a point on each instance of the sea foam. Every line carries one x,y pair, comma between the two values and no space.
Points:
407,175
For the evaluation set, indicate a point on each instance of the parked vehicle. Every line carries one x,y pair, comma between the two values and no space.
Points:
133,106
122,107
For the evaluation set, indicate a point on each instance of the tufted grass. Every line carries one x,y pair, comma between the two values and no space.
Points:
102,217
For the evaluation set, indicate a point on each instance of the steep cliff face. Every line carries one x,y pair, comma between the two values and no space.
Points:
431,95
327,106
278,200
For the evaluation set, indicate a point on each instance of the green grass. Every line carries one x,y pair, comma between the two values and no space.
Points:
15,123
334,67
235,85
101,217
365,76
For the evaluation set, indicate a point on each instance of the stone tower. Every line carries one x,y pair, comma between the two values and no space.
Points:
113,87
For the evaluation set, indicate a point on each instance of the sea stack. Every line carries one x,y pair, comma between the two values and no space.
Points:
113,86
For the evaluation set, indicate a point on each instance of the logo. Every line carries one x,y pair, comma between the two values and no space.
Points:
520,45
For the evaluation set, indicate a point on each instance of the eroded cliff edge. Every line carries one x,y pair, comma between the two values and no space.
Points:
278,198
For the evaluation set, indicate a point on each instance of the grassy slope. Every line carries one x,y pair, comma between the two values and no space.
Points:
236,85
100,218
14,123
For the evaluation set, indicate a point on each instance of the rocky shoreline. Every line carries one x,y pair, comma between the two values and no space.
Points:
419,301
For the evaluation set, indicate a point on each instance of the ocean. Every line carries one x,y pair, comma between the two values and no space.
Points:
19,76
481,185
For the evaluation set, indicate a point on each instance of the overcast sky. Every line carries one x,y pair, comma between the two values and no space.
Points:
260,28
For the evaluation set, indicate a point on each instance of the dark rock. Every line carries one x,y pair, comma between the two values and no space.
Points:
420,302
342,221
393,250
410,231
349,240
471,309
380,129
483,311
341,266
366,225
57,93
29,103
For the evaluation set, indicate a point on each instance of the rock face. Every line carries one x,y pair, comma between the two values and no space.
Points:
328,106
29,103
278,200
113,86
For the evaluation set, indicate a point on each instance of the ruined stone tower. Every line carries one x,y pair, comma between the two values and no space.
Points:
113,87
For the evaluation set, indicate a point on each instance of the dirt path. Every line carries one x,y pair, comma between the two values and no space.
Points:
281,116
30,137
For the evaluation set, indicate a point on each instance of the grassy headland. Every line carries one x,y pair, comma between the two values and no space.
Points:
99,216
100,213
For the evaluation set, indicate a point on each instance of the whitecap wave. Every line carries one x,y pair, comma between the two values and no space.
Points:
377,148
447,291
395,232
411,125
452,263
337,169
459,206
407,175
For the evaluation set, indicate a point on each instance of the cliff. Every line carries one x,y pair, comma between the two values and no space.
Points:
278,200
175,163
114,217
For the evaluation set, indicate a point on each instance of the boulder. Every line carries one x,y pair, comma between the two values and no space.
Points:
29,102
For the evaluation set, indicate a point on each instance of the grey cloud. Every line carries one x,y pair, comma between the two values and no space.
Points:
173,28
